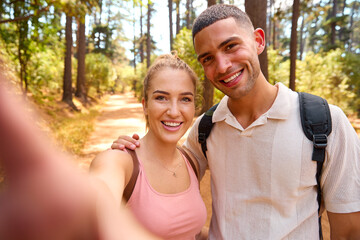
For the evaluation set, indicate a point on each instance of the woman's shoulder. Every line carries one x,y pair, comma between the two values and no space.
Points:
112,159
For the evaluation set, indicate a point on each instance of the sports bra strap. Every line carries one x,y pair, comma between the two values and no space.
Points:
190,161
131,184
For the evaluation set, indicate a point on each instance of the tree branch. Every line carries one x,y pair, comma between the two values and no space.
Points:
24,17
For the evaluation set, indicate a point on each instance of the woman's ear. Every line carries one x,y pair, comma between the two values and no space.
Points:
259,35
144,106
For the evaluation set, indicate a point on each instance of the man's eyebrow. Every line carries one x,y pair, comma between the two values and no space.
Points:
202,55
227,41
218,47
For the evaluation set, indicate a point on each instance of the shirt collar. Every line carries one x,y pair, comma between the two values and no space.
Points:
279,110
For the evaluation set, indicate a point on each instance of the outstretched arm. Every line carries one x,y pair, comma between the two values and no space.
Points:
45,196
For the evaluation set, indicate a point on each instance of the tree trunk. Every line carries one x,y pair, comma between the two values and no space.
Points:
274,31
134,40
350,27
269,20
170,3
302,41
23,43
342,35
188,11
208,88
67,87
148,38
141,47
80,81
256,9
211,2
333,25
293,44
177,16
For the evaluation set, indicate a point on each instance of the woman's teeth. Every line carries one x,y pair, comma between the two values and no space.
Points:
171,124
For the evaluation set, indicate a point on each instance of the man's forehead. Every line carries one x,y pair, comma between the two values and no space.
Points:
213,35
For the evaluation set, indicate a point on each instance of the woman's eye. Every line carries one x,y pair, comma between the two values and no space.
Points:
186,99
160,98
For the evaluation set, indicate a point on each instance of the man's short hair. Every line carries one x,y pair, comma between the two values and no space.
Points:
219,12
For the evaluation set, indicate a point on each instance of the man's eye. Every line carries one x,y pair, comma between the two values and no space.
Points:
206,59
230,46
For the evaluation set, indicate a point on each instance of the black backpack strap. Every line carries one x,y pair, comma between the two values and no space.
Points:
316,123
131,184
205,127
190,161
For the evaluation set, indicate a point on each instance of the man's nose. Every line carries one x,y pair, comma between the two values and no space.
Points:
223,64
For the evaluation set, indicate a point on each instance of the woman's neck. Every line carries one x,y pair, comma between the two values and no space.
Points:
154,147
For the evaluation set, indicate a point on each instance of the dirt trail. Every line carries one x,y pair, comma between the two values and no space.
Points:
122,115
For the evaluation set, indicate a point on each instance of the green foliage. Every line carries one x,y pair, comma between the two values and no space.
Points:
100,74
183,45
46,71
331,75
324,74
278,67
351,63
129,80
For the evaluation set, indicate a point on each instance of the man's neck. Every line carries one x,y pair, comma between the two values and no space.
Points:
250,107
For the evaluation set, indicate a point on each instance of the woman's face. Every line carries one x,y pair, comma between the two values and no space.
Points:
170,107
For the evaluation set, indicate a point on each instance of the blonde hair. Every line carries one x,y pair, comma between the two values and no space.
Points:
171,61
167,61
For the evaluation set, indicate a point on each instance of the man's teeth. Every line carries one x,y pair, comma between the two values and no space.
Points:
172,124
232,77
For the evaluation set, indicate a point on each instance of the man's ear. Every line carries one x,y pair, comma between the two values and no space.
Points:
144,106
259,36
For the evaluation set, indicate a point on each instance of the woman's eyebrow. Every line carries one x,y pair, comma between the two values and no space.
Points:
187,93
166,93
161,92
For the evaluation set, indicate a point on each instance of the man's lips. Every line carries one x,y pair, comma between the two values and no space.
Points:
231,78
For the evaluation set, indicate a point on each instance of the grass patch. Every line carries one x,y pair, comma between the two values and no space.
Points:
73,132
69,128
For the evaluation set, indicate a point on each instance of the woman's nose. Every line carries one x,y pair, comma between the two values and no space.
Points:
173,109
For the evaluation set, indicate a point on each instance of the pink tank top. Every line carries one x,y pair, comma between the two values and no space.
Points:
170,216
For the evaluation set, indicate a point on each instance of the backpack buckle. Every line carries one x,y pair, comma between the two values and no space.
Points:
320,141
202,137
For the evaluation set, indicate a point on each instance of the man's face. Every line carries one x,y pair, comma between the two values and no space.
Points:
229,56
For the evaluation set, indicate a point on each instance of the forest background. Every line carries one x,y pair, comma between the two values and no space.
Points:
65,55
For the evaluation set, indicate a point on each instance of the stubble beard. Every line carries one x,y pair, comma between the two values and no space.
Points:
249,85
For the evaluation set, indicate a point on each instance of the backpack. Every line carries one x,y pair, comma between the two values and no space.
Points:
316,124
131,184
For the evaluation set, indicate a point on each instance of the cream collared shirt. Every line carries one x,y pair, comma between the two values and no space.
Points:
263,179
